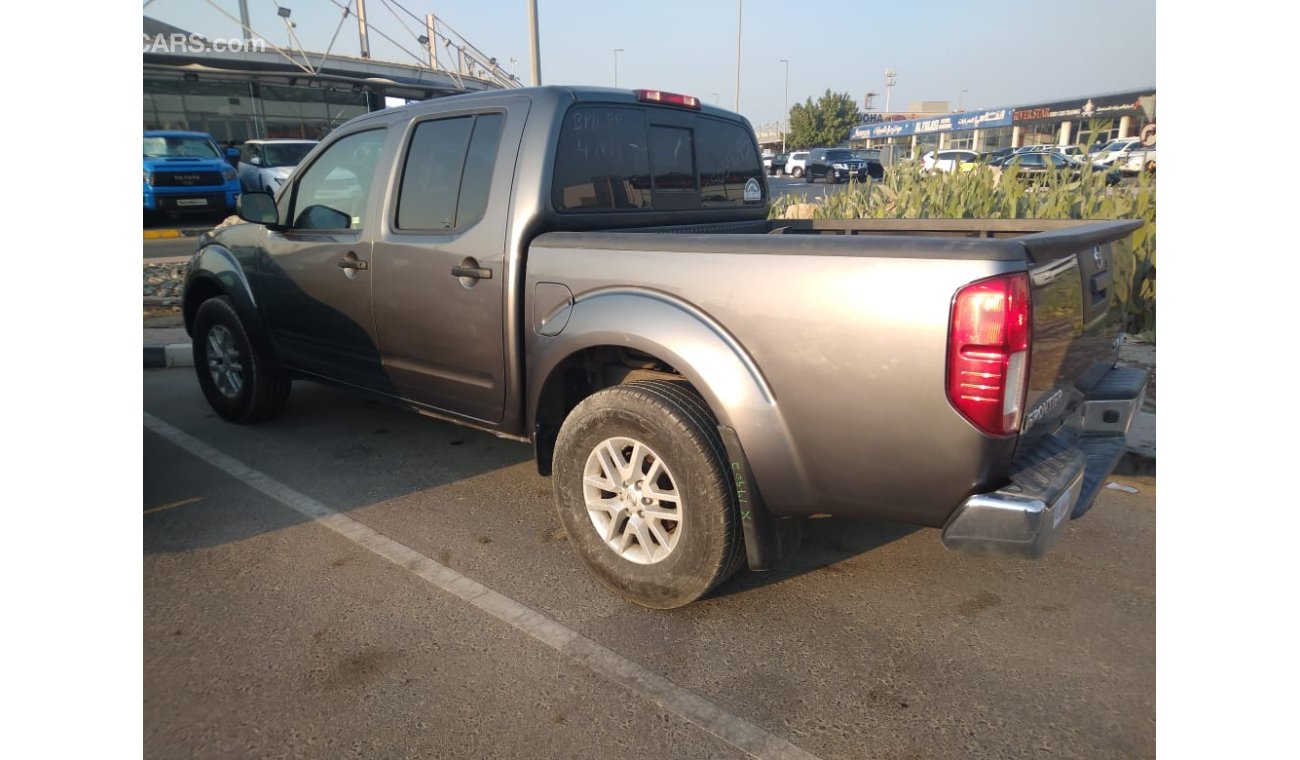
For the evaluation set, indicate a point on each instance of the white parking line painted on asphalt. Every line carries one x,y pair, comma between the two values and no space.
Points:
730,728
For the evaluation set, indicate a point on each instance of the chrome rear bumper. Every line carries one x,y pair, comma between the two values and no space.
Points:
1059,478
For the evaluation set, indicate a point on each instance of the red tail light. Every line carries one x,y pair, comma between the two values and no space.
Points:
988,352
668,98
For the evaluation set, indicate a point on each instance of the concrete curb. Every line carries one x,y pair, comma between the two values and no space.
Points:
174,355
174,233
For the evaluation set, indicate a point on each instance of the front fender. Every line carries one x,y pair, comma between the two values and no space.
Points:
216,271
700,349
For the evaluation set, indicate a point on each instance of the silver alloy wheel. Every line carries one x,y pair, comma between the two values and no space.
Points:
224,362
632,500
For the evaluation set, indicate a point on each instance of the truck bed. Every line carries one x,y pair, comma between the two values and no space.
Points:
876,341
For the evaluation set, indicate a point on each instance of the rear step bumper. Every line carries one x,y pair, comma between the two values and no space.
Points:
1059,478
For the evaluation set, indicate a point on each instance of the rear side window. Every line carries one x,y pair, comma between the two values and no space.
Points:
448,172
613,158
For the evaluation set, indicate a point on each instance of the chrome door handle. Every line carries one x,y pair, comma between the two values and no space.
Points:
353,264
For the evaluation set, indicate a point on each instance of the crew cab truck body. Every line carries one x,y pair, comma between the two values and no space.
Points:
593,271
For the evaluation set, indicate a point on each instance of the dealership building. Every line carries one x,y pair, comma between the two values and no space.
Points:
1086,120
238,90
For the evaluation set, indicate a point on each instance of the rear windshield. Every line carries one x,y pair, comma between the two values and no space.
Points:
612,158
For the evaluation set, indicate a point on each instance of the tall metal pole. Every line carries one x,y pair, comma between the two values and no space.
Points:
433,41
785,117
890,75
616,52
247,31
361,26
533,44
740,14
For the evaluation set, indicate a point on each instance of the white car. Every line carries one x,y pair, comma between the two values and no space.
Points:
1116,150
947,160
1139,159
264,165
797,163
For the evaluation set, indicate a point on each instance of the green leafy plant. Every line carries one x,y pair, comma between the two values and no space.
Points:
826,122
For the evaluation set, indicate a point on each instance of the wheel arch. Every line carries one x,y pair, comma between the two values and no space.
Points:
616,336
216,272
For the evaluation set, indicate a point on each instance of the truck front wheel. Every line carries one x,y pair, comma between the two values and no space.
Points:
643,492
240,382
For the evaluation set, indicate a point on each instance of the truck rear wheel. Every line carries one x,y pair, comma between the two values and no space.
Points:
240,382
643,492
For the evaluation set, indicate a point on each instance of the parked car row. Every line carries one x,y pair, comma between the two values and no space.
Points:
187,171
830,164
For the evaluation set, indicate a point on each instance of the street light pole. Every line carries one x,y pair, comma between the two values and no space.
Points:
616,52
534,46
740,17
890,77
961,99
785,116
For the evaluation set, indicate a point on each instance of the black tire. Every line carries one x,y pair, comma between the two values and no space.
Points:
808,176
262,388
670,420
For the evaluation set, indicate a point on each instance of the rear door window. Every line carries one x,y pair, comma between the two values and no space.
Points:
448,171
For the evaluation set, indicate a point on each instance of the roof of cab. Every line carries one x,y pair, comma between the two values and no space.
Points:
551,92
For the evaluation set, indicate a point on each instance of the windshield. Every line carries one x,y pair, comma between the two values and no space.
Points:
180,147
1116,145
838,155
285,154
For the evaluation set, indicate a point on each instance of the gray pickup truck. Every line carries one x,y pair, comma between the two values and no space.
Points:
593,271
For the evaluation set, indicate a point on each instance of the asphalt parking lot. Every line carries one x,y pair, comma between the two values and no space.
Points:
354,579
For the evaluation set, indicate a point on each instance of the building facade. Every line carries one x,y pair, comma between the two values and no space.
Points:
1087,121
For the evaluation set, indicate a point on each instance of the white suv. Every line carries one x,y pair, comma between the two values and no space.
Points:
797,163
1117,150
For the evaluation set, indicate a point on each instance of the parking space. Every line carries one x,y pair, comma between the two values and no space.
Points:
268,632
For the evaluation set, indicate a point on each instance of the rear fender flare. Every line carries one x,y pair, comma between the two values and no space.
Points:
699,348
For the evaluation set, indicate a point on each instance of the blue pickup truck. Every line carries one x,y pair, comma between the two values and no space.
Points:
186,171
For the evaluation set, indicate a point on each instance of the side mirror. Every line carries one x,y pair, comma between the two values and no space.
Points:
232,155
255,160
258,208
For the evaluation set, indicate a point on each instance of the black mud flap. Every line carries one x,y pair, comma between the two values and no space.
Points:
769,540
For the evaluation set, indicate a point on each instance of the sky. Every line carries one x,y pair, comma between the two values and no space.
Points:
1000,52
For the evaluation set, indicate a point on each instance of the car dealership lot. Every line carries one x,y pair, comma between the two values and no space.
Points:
268,632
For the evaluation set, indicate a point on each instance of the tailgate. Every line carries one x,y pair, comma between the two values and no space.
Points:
1076,325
